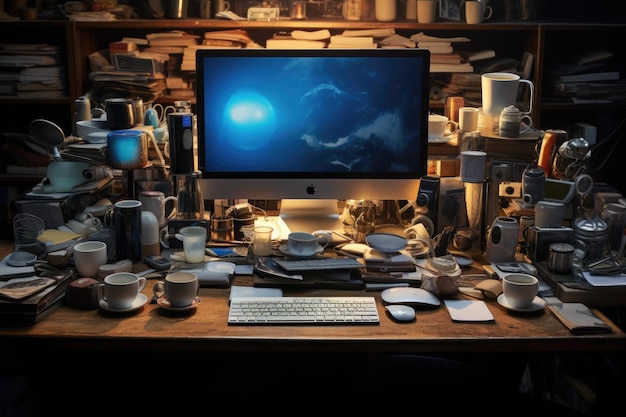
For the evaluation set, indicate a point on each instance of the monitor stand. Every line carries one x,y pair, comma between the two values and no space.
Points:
309,215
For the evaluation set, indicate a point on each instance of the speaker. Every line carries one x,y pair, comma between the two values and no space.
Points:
427,198
180,129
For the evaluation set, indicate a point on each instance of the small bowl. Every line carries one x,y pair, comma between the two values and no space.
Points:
85,128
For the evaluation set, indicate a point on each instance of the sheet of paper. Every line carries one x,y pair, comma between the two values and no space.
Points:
605,280
468,310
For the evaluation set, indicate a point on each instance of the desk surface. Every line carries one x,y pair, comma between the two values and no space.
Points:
206,328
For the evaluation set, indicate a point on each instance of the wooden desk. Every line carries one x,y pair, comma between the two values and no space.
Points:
206,329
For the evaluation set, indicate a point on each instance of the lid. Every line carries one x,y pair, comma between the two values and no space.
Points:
590,226
561,247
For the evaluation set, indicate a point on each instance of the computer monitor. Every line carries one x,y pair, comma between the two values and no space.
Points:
335,124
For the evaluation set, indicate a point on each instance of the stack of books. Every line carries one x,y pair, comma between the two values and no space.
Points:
32,71
443,56
26,298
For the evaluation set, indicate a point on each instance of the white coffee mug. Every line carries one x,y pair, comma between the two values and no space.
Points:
180,289
468,118
427,11
477,11
304,244
120,289
440,126
156,202
520,289
500,89
88,257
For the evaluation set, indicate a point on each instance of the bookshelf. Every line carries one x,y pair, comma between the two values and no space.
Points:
550,43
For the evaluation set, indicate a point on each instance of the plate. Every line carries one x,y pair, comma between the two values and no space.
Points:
385,242
439,139
284,249
163,303
20,258
139,302
538,304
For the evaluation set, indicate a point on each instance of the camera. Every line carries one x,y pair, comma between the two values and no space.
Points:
510,189
427,197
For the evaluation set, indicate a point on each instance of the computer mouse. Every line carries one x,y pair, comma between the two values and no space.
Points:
401,312
411,296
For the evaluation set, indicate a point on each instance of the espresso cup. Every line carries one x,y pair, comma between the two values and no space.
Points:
88,257
304,244
440,126
120,289
180,289
520,289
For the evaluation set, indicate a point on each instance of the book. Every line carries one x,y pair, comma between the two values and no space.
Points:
397,40
577,317
449,58
276,43
462,67
352,40
590,77
315,35
377,261
422,37
375,33
426,44
18,289
239,35
472,56
438,49
56,239
593,57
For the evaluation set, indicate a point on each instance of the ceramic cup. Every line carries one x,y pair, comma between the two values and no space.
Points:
520,289
88,257
179,288
427,11
468,119
473,166
120,289
194,243
477,11
304,244
440,126
500,89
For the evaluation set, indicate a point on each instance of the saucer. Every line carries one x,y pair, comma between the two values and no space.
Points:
163,303
284,249
538,304
139,302
386,242
440,139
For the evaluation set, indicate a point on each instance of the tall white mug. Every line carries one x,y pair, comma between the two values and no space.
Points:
500,89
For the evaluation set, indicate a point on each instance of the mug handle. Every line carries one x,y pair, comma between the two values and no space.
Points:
529,125
142,283
323,237
164,238
158,289
488,12
173,212
532,94
451,127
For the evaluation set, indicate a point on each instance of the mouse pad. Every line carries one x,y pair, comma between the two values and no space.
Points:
469,311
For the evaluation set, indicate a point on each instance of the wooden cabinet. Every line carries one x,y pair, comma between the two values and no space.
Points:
550,43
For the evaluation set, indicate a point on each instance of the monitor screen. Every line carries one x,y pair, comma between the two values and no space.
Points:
312,124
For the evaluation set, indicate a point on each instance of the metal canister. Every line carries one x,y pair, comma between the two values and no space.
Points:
590,239
560,258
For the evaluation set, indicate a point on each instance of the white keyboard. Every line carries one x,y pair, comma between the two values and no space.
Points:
303,310
318,264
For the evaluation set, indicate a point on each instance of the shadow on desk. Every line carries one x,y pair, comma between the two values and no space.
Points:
153,382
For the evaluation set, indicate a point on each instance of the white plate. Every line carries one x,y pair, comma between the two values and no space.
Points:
164,304
284,249
139,302
385,242
538,304
440,139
